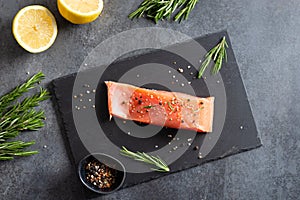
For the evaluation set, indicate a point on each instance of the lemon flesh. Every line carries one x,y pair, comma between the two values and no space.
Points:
35,28
80,11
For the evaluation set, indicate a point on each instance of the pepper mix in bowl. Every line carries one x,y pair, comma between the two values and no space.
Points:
100,175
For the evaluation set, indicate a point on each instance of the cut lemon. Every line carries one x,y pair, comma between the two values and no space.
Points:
80,11
34,28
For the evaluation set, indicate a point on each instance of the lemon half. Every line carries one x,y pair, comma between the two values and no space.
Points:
80,11
34,28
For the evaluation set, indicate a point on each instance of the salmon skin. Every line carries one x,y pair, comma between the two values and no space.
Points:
162,108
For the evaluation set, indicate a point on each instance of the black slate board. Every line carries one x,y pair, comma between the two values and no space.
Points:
232,140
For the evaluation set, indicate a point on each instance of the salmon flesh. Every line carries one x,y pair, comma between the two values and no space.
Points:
162,108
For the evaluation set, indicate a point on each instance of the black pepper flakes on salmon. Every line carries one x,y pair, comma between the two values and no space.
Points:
172,105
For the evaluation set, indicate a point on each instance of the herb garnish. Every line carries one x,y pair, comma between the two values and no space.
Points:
149,106
170,106
163,9
218,53
160,165
20,116
201,108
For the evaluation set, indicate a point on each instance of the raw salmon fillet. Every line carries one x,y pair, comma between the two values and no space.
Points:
162,108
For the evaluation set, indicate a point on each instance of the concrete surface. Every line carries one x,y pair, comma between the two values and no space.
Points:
266,41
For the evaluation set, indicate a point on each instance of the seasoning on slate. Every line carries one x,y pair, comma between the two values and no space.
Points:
180,70
100,175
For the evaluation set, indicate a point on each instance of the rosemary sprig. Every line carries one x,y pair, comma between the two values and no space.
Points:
7,99
30,120
185,12
163,9
10,149
217,54
20,116
160,165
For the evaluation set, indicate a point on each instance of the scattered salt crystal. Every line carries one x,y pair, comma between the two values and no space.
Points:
180,70
200,155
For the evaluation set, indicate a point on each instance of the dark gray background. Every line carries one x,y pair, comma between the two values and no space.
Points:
265,38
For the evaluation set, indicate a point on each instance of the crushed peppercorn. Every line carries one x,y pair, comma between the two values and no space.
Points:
100,175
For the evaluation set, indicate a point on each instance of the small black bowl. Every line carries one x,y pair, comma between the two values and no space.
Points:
110,162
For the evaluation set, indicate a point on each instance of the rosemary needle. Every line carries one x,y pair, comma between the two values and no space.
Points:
149,106
217,54
160,165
